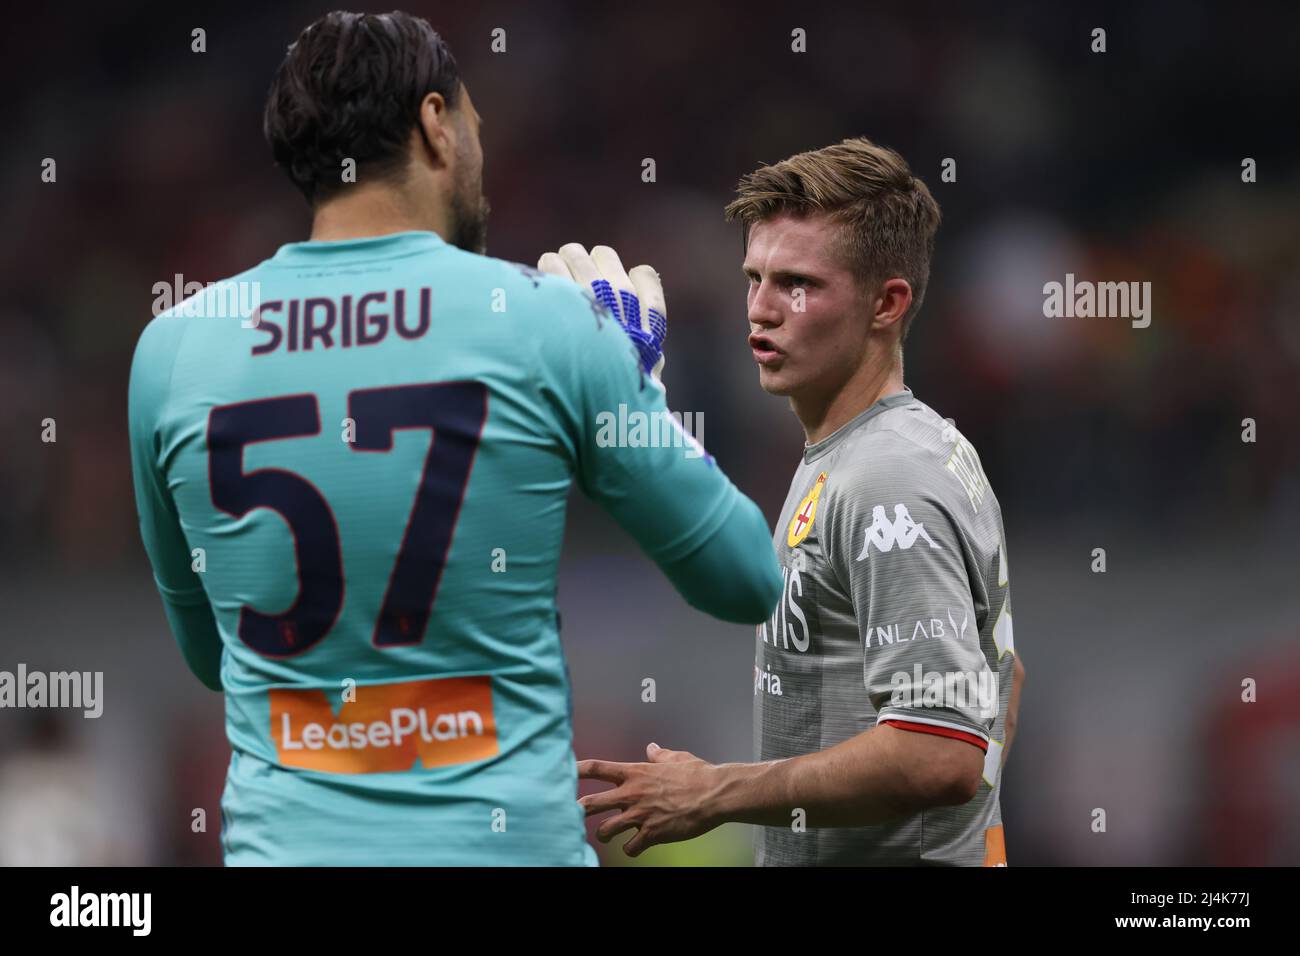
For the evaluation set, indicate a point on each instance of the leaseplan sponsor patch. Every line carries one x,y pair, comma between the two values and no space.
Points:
389,727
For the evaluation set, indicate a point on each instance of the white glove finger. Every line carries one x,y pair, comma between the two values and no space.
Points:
650,290
552,264
580,264
611,268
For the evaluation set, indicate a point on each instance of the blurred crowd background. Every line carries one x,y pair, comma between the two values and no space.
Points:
1123,166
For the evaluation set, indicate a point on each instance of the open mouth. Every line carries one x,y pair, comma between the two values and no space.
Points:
765,350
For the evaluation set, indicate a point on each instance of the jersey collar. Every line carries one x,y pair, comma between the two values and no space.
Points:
371,247
892,400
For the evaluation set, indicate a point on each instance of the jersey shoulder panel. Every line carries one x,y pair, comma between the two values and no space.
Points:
153,365
558,313
912,449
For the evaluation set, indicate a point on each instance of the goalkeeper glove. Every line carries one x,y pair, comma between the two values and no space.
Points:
636,299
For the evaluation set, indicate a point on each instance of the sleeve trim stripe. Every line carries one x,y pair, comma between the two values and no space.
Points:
940,732
916,716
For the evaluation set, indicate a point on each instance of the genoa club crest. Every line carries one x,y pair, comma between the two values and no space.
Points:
802,521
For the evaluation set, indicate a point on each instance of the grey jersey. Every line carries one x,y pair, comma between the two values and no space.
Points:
895,610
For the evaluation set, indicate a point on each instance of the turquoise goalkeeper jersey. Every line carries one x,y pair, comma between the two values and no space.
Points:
353,498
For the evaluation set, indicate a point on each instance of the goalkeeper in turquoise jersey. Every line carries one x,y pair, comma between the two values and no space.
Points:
353,496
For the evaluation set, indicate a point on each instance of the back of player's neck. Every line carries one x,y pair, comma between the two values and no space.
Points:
369,215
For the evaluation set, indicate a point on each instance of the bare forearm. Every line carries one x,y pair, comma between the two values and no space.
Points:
1013,708
876,776
1011,729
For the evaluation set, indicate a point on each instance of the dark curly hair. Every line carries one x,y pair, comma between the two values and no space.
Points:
350,87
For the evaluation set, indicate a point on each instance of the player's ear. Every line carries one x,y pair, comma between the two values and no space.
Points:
433,123
892,300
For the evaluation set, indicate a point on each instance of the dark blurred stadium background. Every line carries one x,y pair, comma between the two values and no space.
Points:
1117,166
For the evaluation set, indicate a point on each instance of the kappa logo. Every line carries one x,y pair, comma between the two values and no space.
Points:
902,531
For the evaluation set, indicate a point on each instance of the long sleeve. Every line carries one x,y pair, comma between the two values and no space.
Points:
184,599
636,461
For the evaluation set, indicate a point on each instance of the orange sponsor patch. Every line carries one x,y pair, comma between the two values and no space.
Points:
389,727
995,847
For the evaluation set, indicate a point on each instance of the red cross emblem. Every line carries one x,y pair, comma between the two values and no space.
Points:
802,522
802,518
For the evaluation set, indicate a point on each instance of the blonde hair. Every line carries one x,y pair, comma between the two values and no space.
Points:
888,217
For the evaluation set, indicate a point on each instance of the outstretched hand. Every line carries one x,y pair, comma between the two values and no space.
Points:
667,799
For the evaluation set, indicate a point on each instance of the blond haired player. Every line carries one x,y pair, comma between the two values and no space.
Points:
886,683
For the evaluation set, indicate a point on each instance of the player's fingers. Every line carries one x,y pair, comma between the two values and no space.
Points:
579,262
659,754
639,841
611,267
603,802
607,770
552,264
614,826
649,289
